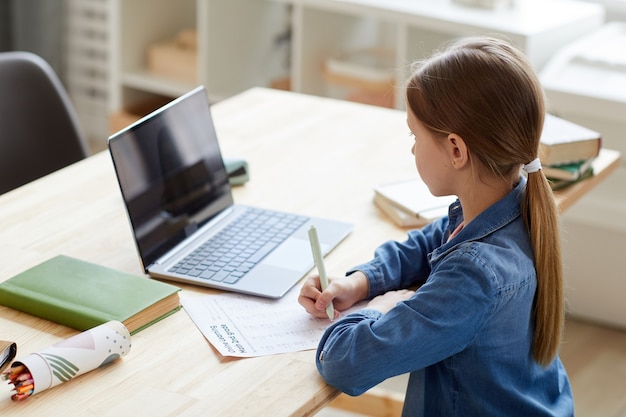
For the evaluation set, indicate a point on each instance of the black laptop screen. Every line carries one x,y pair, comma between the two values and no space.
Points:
171,174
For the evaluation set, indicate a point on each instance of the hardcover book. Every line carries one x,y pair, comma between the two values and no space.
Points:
83,295
560,184
410,203
404,218
563,142
568,172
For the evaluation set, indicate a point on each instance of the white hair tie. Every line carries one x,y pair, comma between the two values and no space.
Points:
532,166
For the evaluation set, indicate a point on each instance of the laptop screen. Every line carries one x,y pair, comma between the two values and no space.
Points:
171,173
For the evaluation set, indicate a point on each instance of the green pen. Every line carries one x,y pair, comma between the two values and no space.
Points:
321,270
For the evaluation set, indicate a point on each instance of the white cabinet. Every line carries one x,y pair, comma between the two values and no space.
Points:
86,67
241,43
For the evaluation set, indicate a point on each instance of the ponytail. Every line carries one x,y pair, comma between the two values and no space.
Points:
541,219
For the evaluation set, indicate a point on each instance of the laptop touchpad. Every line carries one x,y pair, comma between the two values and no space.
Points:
292,254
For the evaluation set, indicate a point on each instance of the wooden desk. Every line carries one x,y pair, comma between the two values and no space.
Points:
307,154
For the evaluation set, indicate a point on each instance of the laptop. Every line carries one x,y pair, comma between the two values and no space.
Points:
179,202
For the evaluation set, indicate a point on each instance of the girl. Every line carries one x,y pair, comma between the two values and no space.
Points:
480,335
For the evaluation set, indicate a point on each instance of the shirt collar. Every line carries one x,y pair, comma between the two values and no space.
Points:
491,219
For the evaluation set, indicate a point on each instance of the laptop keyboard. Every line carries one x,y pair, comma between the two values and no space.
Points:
231,253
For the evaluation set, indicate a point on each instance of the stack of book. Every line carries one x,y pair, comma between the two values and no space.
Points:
409,203
567,151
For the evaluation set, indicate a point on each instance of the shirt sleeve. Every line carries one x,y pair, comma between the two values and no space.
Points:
441,319
405,264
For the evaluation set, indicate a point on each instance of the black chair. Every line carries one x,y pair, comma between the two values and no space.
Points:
39,131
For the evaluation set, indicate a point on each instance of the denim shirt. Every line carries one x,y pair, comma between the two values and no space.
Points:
466,335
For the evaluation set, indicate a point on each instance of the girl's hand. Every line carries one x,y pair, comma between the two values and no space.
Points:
387,301
343,292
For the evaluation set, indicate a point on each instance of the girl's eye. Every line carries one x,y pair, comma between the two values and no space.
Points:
411,134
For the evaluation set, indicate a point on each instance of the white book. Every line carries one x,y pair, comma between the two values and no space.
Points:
410,203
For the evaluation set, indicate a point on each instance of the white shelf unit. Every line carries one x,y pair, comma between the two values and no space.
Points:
411,30
238,46
239,40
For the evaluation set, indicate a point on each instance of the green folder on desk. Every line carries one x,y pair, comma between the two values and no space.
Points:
83,295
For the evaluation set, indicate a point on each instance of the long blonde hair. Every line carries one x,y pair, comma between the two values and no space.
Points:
485,90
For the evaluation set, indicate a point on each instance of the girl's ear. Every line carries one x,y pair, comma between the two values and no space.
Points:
457,151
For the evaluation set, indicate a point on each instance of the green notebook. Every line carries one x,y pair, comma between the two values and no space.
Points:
83,295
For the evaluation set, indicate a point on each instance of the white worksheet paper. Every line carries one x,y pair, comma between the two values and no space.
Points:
245,326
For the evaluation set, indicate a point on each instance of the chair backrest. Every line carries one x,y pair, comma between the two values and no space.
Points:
39,131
